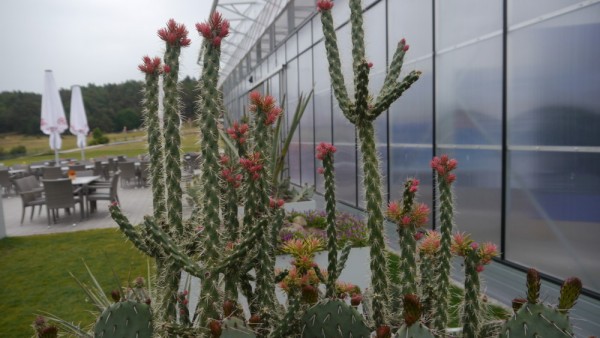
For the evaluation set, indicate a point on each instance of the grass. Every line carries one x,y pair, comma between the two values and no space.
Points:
131,144
35,275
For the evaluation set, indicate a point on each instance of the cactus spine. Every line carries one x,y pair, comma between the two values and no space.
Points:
362,113
444,178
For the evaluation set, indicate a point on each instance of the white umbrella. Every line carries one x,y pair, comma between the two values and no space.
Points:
78,123
53,121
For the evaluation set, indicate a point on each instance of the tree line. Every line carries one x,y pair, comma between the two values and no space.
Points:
110,107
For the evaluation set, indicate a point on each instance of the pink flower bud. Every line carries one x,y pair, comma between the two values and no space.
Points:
324,5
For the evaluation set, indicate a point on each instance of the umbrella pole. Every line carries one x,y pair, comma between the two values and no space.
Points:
82,154
56,157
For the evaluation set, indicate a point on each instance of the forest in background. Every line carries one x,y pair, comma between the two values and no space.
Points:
109,107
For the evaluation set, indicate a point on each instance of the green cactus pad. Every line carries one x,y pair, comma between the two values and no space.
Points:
414,331
333,319
537,320
125,320
234,327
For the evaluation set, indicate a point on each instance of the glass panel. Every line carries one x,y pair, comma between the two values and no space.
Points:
412,20
411,116
317,28
322,95
281,59
345,173
486,18
306,129
292,99
519,11
302,10
375,39
340,12
305,37
281,27
291,47
345,157
469,94
553,213
554,100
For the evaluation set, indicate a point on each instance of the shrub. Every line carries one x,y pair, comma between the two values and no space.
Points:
18,150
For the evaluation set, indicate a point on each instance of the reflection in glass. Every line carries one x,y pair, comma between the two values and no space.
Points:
411,20
553,214
306,131
469,94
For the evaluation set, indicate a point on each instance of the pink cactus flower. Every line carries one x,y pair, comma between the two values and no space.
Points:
420,215
325,149
175,34
405,221
370,64
324,5
419,235
487,251
405,48
479,268
431,243
321,170
166,69
214,30
150,66
393,210
443,166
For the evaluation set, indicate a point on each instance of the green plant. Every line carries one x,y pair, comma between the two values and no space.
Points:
361,112
534,319
18,150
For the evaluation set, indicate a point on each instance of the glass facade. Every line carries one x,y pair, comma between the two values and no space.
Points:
514,99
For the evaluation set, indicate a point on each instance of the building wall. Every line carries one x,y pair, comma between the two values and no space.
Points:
515,99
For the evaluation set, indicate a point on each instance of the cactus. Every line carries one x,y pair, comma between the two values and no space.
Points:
123,320
444,178
234,327
412,326
534,319
362,112
429,248
333,318
325,153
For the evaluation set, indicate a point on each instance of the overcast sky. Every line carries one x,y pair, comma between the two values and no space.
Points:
89,41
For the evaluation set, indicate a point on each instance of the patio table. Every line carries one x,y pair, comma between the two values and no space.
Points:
83,182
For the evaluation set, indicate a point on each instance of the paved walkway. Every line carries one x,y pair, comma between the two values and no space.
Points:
135,203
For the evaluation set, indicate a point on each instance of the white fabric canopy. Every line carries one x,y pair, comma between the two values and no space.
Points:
53,120
78,120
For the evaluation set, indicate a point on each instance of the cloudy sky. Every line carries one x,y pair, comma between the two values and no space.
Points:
89,41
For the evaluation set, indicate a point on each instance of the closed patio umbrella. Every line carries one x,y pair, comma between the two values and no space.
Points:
78,120
53,120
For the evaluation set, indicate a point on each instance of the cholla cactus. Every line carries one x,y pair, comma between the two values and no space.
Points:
476,256
443,167
362,112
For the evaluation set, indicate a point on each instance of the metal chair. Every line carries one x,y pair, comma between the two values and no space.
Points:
83,173
52,173
127,170
144,172
77,167
102,195
30,191
60,194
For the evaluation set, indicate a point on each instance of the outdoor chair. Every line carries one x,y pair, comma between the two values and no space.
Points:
5,182
112,165
25,167
104,192
100,170
52,173
84,173
127,170
60,194
30,191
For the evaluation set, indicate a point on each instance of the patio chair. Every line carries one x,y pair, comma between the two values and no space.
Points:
100,170
112,165
60,194
84,173
127,170
52,173
5,182
104,192
30,191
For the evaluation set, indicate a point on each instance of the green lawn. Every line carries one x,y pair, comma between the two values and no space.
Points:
35,275
131,144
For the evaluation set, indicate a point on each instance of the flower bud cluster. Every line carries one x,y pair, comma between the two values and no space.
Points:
151,66
238,132
175,35
276,203
265,105
325,149
252,164
418,216
431,243
324,5
228,172
443,166
215,29
462,245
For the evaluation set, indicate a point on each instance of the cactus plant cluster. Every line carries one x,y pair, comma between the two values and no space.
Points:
236,257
